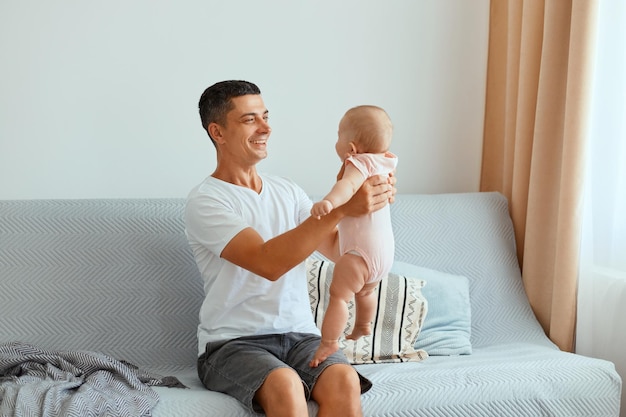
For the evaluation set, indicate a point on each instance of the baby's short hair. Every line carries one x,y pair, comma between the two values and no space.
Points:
369,127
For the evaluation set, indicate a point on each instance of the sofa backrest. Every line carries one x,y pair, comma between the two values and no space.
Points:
117,275
471,234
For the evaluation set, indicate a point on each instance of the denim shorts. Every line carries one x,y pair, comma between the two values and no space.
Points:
239,367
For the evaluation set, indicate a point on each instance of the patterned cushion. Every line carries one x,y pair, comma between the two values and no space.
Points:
398,320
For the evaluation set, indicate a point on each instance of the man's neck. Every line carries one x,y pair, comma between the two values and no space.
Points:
248,178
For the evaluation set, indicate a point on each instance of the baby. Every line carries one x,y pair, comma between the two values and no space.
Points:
366,243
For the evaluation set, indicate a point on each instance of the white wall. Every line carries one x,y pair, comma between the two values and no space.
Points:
99,99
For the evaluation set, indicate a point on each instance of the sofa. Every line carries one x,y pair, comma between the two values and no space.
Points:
115,277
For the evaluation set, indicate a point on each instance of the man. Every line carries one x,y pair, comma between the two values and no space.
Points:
250,234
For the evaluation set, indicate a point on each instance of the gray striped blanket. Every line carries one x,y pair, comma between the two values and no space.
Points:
40,383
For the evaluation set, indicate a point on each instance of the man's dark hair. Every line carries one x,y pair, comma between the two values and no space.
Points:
216,102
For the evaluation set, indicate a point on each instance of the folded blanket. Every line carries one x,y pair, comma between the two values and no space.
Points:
38,382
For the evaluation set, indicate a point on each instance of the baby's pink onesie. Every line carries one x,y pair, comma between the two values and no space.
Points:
370,236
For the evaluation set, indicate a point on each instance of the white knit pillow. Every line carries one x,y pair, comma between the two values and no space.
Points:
397,323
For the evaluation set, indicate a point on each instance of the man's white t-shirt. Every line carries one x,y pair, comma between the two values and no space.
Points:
237,302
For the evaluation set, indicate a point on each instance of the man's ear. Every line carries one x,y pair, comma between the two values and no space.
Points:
215,131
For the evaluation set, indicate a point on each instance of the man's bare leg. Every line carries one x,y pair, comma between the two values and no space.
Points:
282,394
338,392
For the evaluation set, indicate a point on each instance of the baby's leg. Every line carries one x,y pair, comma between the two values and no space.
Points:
365,303
349,275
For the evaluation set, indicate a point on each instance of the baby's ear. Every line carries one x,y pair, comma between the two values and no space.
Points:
352,148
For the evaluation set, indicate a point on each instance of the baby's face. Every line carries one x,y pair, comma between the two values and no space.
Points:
343,147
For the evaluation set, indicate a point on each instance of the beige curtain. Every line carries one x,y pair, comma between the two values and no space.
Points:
540,55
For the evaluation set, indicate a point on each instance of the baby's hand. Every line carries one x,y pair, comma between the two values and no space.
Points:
321,208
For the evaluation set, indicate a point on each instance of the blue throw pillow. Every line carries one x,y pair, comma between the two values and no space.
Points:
447,327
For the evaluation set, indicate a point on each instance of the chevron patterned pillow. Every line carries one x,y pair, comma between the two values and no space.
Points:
398,320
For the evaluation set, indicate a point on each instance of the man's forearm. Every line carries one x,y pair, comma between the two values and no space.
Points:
271,259
292,247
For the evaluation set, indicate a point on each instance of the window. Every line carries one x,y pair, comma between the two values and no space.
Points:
602,277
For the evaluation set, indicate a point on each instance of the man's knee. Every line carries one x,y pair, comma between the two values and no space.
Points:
339,380
282,386
338,392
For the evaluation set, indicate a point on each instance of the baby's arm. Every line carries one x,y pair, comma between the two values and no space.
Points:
341,192
321,208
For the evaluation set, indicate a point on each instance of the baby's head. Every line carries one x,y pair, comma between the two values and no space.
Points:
364,129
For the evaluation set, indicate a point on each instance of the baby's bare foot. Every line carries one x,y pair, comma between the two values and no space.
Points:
359,330
325,349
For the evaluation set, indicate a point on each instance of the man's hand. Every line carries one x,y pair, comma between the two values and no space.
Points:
392,181
373,195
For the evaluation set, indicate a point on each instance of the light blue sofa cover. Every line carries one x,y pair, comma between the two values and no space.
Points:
117,276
